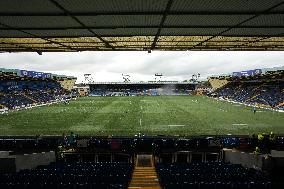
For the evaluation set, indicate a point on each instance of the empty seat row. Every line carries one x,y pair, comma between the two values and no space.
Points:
211,175
71,175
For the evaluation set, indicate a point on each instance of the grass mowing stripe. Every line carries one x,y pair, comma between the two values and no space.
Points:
126,116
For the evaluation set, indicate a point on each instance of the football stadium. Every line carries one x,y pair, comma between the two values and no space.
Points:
220,131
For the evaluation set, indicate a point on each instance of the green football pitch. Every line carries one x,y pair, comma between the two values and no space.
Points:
149,115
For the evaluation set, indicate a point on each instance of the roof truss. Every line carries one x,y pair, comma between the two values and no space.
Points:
106,25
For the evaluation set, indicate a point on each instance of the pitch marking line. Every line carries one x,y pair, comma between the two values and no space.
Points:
239,124
176,125
168,125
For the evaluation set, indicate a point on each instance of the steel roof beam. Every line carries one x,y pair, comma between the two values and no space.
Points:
244,21
33,35
81,23
91,42
246,43
158,46
148,35
18,46
129,27
168,8
259,40
138,49
146,13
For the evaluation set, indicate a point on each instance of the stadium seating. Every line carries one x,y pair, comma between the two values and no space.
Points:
75,175
19,91
269,94
210,175
24,98
19,99
193,144
14,99
82,171
28,145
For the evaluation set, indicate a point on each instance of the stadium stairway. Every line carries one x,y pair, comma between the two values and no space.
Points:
252,98
258,87
144,175
29,98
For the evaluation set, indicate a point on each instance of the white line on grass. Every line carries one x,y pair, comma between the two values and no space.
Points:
176,125
167,125
239,124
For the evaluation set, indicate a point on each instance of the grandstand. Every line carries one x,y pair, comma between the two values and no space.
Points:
179,152
146,135
142,88
21,89
262,90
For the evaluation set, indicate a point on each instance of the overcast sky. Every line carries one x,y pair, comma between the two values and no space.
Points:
141,66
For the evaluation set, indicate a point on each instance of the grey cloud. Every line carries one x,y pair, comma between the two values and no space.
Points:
172,64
